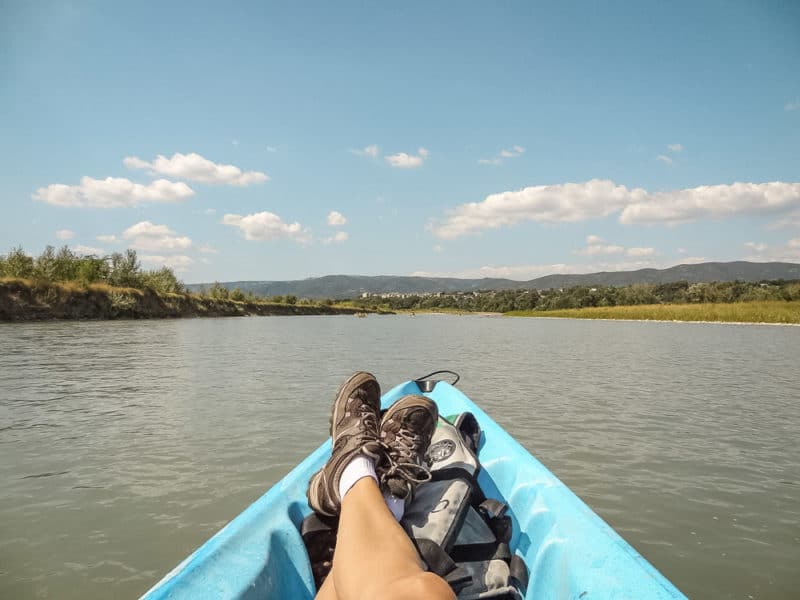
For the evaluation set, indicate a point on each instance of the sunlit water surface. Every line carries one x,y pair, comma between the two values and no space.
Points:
124,445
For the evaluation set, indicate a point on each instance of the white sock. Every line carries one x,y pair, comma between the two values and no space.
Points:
356,469
396,505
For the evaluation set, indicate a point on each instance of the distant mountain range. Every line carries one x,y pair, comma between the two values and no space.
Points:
351,286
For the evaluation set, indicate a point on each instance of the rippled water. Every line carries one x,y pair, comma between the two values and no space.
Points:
124,445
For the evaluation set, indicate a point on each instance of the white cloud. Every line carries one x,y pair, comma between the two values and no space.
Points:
65,234
514,152
597,246
542,203
757,247
665,159
177,262
791,220
640,251
108,239
372,151
711,202
338,238
526,272
210,211
194,167
87,250
264,226
155,238
401,160
335,218
207,249
675,147
791,106
437,248
112,192
788,252
569,202
272,149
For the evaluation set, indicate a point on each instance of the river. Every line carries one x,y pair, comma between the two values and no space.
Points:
124,445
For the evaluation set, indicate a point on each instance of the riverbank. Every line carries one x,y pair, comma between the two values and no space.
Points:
741,312
25,300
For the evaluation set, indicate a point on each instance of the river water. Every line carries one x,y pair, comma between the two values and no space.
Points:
124,445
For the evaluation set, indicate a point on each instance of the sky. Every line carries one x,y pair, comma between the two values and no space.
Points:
273,141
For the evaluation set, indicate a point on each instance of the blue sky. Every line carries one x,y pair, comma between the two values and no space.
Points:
282,141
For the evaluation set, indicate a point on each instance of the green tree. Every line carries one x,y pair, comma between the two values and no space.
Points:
162,280
18,264
125,270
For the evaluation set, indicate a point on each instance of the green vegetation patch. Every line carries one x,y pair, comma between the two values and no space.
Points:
739,312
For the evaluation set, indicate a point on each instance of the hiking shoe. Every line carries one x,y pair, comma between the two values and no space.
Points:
354,432
406,431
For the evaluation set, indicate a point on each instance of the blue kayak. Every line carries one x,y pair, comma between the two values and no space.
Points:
570,552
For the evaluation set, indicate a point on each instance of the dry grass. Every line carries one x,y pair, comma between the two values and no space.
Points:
741,312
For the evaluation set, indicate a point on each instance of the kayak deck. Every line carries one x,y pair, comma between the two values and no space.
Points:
569,550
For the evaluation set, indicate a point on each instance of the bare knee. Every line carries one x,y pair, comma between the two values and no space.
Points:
419,585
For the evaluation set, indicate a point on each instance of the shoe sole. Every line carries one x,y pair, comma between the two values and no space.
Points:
355,381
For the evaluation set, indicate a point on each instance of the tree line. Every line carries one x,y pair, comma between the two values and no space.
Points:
679,292
119,269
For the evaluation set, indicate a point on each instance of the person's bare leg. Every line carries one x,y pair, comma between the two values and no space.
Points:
374,556
327,591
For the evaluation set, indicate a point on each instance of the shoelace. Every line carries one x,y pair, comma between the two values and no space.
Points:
400,458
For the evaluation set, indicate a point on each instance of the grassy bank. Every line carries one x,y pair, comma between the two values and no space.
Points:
28,300
740,312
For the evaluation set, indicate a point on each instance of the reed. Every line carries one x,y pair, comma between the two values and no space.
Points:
739,312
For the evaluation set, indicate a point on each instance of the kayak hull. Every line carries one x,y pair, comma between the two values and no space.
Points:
569,550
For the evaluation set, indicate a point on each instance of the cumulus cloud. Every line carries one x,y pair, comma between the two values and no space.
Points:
788,252
513,152
266,226
338,238
757,247
88,250
526,272
569,202
597,246
542,203
155,238
372,151
178,262
675,147
112,192
108,239
402,160
711,202
65,234
194,167
207,249
336,219
640,251
664,158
